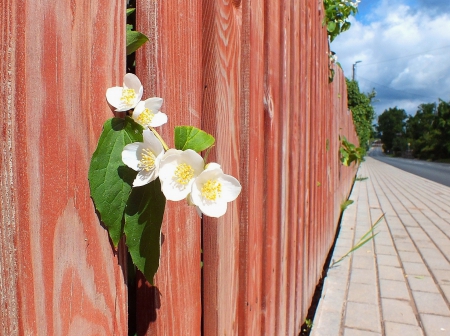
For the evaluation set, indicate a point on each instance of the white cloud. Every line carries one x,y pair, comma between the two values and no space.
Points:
403,50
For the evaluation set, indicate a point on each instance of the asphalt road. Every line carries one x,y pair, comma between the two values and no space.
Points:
434,171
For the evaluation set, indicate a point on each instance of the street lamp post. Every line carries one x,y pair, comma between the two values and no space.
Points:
354,69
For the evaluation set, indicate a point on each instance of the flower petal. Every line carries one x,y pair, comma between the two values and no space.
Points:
144,177
131,81
140,107
231,188
129,155
213,209
154,104
152,142
113,96
174,186
212,166
159,119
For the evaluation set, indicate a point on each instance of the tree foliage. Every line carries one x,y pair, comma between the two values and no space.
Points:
362,110
391,126
428,131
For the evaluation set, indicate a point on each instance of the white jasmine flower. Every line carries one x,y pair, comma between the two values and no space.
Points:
177,172
125,98
144,157
147,113
212,190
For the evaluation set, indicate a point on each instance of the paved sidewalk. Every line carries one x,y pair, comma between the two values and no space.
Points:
398,283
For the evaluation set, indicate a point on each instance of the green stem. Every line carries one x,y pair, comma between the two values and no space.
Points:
205,157
166,148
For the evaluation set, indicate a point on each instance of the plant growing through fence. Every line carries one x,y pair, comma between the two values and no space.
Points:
336,14
368,236
349,152
133,172
346,204
134,39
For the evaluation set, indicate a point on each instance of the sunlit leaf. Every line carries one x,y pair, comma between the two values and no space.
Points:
109,179
188,137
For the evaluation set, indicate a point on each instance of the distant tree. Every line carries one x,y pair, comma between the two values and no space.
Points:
428,131
419,130
391,124
362,111
442,138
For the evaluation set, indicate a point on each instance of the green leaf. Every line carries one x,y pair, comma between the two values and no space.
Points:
345,26
188,137
143,219
135,40
331,26
346,204
109,179
130,11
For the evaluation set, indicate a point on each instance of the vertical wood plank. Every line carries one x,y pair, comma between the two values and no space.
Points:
252,164
221,116
63,277
273,164
170,67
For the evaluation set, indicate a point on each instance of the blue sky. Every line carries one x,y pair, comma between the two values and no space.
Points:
403,46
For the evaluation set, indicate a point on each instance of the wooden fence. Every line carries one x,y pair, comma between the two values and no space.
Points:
253,73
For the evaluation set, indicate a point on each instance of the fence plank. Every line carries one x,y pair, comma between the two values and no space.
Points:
221,117
253,73
59,274
169,66
300,131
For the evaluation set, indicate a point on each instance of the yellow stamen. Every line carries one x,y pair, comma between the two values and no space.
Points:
146,117
147,162
211,190
184,173
128,96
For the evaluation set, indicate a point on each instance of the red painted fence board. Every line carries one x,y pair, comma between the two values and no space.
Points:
254,74
58,272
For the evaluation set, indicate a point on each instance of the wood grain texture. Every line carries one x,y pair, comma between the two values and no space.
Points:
261,281
221,116
254,74
170,67
59,273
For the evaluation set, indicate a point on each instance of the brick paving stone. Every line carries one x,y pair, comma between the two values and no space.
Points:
363,316
422,243
364,262
405,246
330,325
388,260
422,283
383,238
363,276
386,249
394,289
398,311
399,329
364,251
410,256
356,332
442,276
436,325
391,273
415,268
446,290
363,293
430,303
